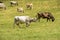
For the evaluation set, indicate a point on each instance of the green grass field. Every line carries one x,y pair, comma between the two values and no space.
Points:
42,30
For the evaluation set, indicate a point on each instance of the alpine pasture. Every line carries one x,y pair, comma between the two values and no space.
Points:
42,30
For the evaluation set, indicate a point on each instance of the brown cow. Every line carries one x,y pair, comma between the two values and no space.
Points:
20,9
29,5
46,15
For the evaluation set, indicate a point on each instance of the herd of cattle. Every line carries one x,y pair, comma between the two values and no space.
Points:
27,19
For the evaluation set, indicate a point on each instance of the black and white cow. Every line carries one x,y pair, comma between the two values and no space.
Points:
12,3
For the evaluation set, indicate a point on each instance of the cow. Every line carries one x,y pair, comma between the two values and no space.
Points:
1,2
23,19
29,6
12,3
2,6
20,9
45,15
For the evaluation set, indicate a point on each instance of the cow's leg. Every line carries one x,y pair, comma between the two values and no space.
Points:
18,24
27,24
30,7
4,8
48,19
23,11
17,4
38,18
10,4
27,7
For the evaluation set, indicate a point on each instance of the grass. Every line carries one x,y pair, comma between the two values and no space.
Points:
37,30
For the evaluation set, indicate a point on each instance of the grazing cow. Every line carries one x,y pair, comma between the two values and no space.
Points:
20,10
23,19
13,3
2,5
29,5
46,15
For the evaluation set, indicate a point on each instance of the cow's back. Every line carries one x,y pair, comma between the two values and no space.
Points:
22,18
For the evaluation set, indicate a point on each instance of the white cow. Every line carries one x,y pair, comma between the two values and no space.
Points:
13,3
23,19
20,9
2,6
29,5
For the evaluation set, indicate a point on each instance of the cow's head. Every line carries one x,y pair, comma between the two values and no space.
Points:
53,19
33,19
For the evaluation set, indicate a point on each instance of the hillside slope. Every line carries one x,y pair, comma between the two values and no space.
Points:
42,30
